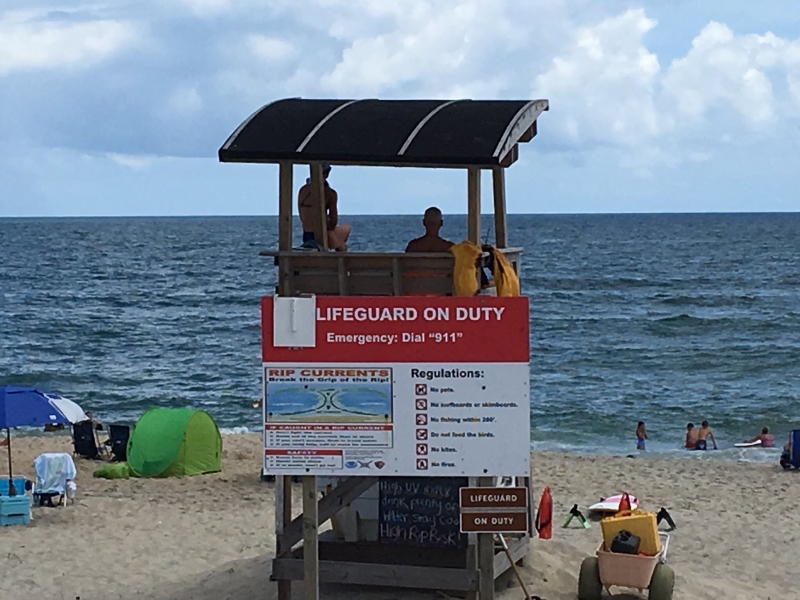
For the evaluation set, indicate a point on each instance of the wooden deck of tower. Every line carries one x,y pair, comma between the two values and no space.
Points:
462,134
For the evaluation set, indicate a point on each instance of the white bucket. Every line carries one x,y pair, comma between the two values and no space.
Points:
71,489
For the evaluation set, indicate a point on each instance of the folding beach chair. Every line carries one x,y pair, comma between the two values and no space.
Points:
55,471
118,442
791,459
83,440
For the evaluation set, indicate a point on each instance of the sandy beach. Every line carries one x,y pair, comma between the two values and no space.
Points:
210,537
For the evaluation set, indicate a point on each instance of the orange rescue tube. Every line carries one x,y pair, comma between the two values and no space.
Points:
544,516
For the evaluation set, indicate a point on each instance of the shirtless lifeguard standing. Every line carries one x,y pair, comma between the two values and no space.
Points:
337,234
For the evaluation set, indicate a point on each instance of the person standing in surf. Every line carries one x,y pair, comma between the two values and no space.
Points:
691,437
702,435
641,436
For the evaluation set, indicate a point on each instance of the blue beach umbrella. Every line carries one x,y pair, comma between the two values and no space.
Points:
29,407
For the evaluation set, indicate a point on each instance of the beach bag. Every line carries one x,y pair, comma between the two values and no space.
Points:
465,278
506,280
625,543
113,471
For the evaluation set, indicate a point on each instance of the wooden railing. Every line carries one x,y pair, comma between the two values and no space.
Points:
370,273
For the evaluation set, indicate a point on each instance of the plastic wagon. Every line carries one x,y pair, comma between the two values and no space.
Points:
609,569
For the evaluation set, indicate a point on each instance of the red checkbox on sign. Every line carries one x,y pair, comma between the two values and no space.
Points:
422,434
422,404
422,464
421,389
422,449
422,419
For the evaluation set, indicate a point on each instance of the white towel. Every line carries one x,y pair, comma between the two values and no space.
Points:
53,471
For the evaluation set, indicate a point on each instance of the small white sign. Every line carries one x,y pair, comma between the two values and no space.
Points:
295,322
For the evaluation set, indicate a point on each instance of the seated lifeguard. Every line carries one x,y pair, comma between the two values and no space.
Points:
337,234
431,241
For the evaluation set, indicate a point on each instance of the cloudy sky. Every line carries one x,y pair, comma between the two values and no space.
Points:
119,107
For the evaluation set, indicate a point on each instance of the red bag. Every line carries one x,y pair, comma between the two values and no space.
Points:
544,516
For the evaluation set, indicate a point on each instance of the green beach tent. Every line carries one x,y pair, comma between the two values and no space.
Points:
173,442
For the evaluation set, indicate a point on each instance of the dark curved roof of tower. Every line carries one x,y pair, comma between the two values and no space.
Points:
433,133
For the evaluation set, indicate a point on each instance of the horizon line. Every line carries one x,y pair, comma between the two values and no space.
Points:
489,214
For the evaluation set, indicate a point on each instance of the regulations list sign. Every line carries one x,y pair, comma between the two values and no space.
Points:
406,386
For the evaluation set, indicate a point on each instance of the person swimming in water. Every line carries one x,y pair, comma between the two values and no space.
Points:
765,437
691,437
641,435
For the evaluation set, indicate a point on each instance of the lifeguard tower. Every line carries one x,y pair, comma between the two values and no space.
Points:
458,134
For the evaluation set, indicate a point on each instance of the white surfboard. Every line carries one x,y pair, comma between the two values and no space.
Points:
748,444
611,504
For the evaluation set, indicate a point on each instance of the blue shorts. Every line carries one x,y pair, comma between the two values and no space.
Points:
700,445
639,444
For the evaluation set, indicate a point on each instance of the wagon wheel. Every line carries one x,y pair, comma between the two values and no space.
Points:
662,583
589,585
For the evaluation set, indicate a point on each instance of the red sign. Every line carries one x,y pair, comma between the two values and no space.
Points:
375,329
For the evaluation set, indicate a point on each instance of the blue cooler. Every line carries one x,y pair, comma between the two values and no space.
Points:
15,510
19,484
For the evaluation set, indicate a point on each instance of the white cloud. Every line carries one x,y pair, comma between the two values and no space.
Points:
133,162
269,49
605,84
608,88
727,69
205,8
185,101
439,47
27,43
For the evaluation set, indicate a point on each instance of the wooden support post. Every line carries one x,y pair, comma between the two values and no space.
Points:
283,516
531,508
500,225
472,551
486,555
285,207
285,276
342,275
320,209
472,561
474,205
342,495
397,277
310,539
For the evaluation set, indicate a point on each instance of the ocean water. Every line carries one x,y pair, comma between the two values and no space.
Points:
663,318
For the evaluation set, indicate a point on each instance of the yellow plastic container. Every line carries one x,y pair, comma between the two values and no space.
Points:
640,523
